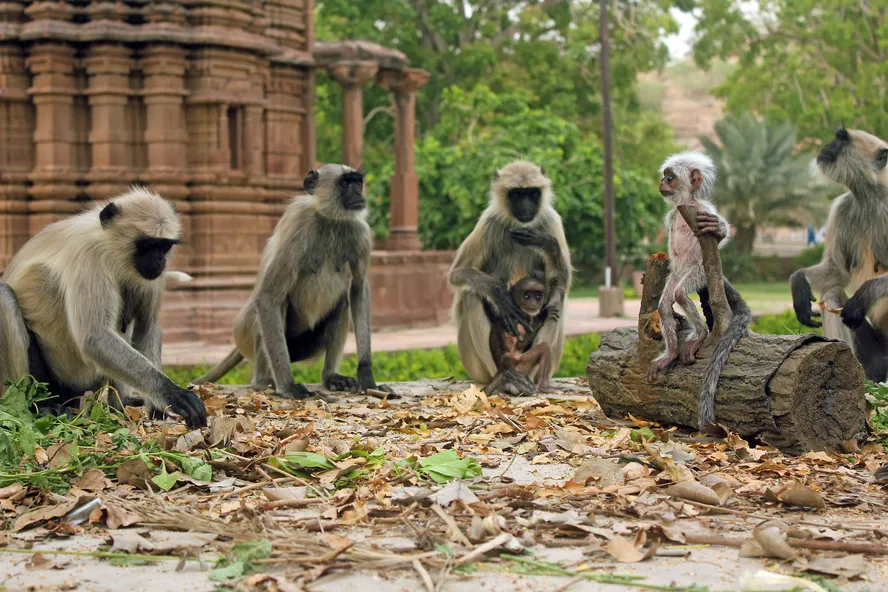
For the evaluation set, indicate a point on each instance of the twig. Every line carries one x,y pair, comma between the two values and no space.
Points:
426,578
480,550
102,554
564,588
846,547
453,526
712,265
251,487
294,503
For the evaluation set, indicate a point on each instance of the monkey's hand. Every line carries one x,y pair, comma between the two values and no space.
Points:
189,406
345,384
293,391
515,383
854,311
533,238
553,311
507,311
802,297
366,381
710,223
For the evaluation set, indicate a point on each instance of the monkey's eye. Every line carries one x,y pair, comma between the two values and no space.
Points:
670,178
526,296
882,158
343,183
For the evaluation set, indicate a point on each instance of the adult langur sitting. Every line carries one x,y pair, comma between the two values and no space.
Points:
519,233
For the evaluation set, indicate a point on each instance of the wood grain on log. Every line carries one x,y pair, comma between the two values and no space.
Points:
794,392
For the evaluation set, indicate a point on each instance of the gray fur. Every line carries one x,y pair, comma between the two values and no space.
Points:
855,252
489,260
95,318
314,269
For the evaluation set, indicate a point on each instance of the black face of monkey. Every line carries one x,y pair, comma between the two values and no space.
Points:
524,202
831,152
351,191
149,258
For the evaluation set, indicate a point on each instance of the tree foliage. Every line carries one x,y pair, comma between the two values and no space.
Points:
761,180
478,132
817,63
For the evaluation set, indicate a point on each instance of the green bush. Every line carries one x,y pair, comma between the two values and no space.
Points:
809,257
784,323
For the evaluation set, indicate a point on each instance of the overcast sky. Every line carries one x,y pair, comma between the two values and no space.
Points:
680,43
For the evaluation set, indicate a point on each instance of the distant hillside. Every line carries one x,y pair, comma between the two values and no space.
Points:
681,92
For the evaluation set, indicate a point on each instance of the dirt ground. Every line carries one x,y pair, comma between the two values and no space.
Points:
566,499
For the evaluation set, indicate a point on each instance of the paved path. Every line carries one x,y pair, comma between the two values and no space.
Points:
581,318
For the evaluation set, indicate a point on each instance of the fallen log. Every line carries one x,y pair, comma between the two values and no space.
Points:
795,392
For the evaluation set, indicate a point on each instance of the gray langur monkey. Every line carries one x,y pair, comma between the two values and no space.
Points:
855,251
518,235
314,269
688,179
79,305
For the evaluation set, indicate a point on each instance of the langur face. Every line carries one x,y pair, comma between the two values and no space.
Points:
529,296
351,191
678,190
524,202
830,153
149,257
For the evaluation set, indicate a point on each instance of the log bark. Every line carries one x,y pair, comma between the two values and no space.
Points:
795,392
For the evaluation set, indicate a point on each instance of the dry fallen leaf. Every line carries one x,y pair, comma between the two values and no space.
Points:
772,542
118,517
625,551
134,472
92,480
848,566
59,454
823,306
42,514
453,491
797,494
41,561
694,491
190,441
602,472
465,401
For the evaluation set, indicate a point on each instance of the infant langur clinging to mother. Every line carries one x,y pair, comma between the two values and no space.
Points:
688,180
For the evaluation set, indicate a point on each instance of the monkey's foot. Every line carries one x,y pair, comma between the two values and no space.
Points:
659,366
343,384
293,391
689,352
853,313
548,387
517,384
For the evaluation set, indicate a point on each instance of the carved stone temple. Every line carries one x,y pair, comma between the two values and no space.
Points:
209,103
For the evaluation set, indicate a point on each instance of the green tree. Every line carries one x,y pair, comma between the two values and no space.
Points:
817,63
761,182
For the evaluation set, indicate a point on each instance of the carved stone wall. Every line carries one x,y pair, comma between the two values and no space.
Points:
207,102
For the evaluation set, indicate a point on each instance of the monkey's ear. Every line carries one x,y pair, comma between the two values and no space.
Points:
495,175
108,213
696,179
311,181
543,169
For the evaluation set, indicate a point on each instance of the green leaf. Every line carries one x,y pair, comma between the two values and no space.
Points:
28,441
252,550
308,460
203,473
165,481
230,571
447,466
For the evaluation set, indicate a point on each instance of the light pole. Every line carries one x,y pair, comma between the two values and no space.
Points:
610,296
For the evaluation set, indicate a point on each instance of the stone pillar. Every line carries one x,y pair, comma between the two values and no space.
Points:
352,76
54,176
166,134
108,67
403,232
16,155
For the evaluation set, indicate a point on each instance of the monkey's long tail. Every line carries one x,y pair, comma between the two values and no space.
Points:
736,330
222,368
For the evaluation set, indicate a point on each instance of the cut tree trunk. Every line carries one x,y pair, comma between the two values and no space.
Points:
795,392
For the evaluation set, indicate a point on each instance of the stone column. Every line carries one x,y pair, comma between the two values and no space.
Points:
403,232
53,189
16,154
108,67
166,134
352,76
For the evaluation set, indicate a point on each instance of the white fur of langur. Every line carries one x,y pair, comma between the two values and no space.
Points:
519,233
80,304
855,251
688,179
313,270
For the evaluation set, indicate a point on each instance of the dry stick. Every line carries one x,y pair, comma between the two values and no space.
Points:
868,548
295,503
499,541
712,265
426,578
454,527
752,516
565,587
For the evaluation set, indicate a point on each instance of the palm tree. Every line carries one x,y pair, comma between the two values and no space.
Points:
761,181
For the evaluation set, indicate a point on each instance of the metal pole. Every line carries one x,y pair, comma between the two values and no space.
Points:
610,247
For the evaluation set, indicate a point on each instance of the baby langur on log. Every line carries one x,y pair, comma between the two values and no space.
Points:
855,251
79,306
688,180
517,356
518,234
313,270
